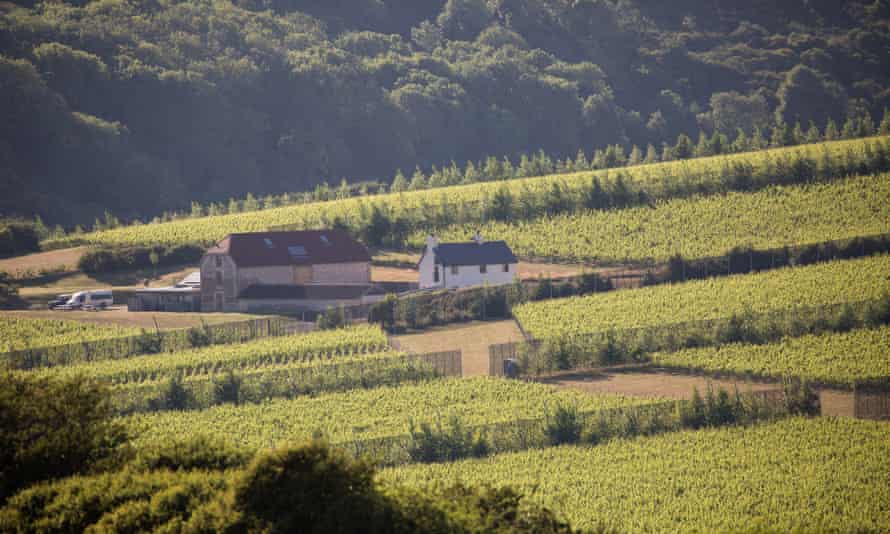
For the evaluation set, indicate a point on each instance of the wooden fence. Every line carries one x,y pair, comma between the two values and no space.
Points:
447,363
871,402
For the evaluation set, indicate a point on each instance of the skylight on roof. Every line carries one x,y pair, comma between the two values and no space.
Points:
324,239
269,243
297,251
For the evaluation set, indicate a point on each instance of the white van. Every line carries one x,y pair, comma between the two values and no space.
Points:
89,300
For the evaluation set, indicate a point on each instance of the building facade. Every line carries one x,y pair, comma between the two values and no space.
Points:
285,271
456,265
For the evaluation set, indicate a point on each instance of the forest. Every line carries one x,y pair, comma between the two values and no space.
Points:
144,106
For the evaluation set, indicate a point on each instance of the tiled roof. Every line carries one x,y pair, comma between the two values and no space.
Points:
307,247
472,253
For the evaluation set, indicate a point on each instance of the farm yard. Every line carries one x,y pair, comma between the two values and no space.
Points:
727,402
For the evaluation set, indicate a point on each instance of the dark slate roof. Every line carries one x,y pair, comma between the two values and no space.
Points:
472,253
307,247
306,292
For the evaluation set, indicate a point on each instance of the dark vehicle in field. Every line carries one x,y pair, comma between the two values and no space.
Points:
58,301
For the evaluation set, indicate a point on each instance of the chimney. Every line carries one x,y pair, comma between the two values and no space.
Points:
431,242
478,237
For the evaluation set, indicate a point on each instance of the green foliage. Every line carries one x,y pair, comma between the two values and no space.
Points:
563,425
52,429
9,293
331,319
429,444
474,79
18,238
106,259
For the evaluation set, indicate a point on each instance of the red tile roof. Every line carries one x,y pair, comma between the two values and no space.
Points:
307,247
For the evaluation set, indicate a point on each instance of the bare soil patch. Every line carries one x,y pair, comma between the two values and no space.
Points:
118,315
472,339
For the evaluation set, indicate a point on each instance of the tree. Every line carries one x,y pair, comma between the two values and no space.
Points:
463,19
884,128
732,111
809,95
427,36
9,293
384,312
581,163
651,154
635,157
399,184
52,429
250,203
418,180
831,132
501,207
813,134
684,147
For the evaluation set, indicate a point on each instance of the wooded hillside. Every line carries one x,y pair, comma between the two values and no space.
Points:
145,105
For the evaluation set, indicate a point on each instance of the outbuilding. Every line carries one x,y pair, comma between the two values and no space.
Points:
474,263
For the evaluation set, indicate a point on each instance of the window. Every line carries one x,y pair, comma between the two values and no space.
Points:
454,269
219,261
218,277
483,269
436,274
506,267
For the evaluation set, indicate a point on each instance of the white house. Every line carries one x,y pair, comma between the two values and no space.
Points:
452,265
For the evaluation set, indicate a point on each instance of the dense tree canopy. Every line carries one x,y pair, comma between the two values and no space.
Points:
142,106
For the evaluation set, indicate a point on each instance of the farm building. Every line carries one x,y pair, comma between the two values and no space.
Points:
286,272
182,297
454,265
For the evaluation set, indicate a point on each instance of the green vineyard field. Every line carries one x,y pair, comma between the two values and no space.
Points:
837,359
364,414
301,348
781,289
701,227
268,381
806,475
419,207
18,334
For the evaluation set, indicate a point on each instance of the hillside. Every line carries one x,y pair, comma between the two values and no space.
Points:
142,107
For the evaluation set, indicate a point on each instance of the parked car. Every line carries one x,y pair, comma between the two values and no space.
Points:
58,301
88,300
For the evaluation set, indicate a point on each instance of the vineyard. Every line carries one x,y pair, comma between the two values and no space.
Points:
728,480
701,226
19,334
296,349
838,359
781,289
364,414
265,382
439,207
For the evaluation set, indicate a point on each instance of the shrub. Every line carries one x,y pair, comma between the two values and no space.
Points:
563,425
9,293
445,445
331,318
173,396
200,336
17,238
52,429
227,388
149,342
195,453
107,259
